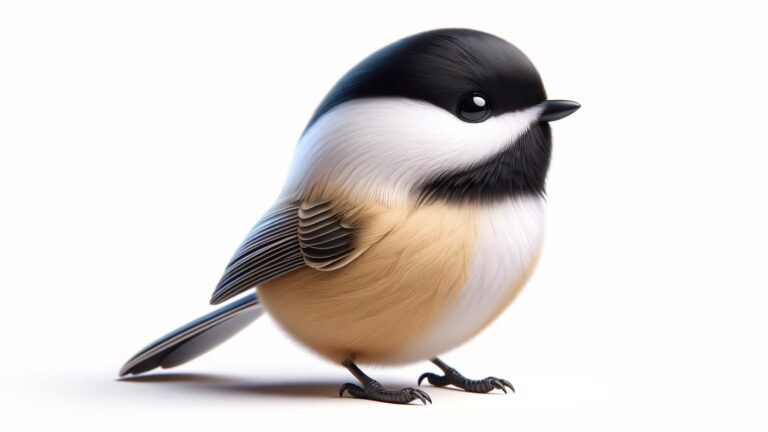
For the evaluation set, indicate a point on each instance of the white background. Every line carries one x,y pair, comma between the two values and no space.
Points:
140,140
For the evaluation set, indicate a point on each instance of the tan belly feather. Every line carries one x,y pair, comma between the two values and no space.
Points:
388,296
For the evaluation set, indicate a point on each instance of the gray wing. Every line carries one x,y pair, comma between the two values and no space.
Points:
289,237
325,238
270,250
195,338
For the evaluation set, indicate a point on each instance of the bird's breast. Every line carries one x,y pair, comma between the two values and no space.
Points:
507,246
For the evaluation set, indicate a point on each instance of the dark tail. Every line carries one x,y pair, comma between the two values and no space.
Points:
196,338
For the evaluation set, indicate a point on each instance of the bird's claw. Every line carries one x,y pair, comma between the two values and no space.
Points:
499,383
375,391
454,378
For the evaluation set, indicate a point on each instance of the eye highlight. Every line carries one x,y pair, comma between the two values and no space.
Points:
473,107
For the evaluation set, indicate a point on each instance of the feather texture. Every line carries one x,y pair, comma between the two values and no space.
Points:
324,237
270,250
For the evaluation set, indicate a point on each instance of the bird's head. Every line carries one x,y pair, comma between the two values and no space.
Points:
450,114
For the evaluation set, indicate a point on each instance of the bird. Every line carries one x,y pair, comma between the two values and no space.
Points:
411,216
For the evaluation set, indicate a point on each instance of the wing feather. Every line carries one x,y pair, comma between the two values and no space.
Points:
324,235
292,235
270,250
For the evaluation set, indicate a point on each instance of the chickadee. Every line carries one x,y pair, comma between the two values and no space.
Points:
412,215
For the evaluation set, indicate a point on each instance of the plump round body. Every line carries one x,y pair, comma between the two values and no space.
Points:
412,215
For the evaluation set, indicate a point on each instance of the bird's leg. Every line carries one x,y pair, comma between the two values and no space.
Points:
373,390
453,377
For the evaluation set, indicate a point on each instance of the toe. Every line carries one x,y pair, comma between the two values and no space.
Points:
500,384
497,384
425,375
434,379
424,395
351,388
415,394
503,383
508,384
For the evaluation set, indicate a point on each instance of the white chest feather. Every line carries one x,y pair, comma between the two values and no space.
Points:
509,238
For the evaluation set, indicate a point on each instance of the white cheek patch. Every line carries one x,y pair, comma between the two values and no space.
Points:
381,148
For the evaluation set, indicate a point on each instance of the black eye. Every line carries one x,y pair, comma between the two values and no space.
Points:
474,107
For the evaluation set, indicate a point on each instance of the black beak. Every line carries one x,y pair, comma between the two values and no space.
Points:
557,109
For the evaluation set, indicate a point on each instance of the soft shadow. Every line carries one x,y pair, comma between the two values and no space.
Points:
287,389
175,377
233,385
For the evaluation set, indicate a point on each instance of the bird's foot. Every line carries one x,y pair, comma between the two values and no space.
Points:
373,390
454,378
